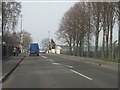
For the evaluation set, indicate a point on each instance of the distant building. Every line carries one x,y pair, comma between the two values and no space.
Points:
58,49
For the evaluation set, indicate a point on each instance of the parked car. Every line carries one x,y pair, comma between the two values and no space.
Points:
34,49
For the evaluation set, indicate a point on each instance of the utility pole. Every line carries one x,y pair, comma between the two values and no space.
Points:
49,40
21,36
119,32
49,35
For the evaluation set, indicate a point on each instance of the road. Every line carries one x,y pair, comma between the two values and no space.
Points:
55,71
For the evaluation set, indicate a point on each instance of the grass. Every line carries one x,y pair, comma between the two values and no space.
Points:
109,60
102,59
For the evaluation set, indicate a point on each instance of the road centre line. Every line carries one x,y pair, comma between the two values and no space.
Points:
81,75
63,64
69,66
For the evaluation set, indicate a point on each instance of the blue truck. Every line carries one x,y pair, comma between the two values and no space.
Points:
34,49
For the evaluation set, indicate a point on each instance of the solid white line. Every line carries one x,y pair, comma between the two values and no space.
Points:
81,75
69,66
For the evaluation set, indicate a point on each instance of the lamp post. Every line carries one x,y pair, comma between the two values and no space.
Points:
21,36
119,32
49,39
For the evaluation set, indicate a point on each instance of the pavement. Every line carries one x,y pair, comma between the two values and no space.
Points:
10,63
0,64
57,71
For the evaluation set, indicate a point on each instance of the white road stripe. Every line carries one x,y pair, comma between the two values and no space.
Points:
44,57
81,75
69,66
1,79
56,63
51,60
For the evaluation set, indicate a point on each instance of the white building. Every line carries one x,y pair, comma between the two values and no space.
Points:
58,48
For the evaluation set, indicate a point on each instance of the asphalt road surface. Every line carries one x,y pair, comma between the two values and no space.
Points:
54,71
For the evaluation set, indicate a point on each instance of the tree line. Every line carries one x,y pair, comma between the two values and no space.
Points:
82,24
11,12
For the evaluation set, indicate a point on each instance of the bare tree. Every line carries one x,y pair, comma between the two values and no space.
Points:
90,29
104,29
112,22
45,43
78,31
96,14
65,30
119,31
107,29
10,13
27,39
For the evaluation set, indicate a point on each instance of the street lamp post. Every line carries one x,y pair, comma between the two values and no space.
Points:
49,39
21,37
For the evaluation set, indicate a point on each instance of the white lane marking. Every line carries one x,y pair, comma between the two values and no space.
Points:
81,75
51,60
69,66
44,57
56,63
1,79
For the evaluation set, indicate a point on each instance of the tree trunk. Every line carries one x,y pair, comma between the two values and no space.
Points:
107,39
77,51
70,47
104,30
88,35
80,48
88,43
110,56
111,31
74,46
96,42
97,32
107,36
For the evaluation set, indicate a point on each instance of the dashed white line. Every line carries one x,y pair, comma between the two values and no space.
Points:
51,60
44,57
69,66
56,63
81,75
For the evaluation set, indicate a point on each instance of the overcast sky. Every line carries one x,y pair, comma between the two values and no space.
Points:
41,17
